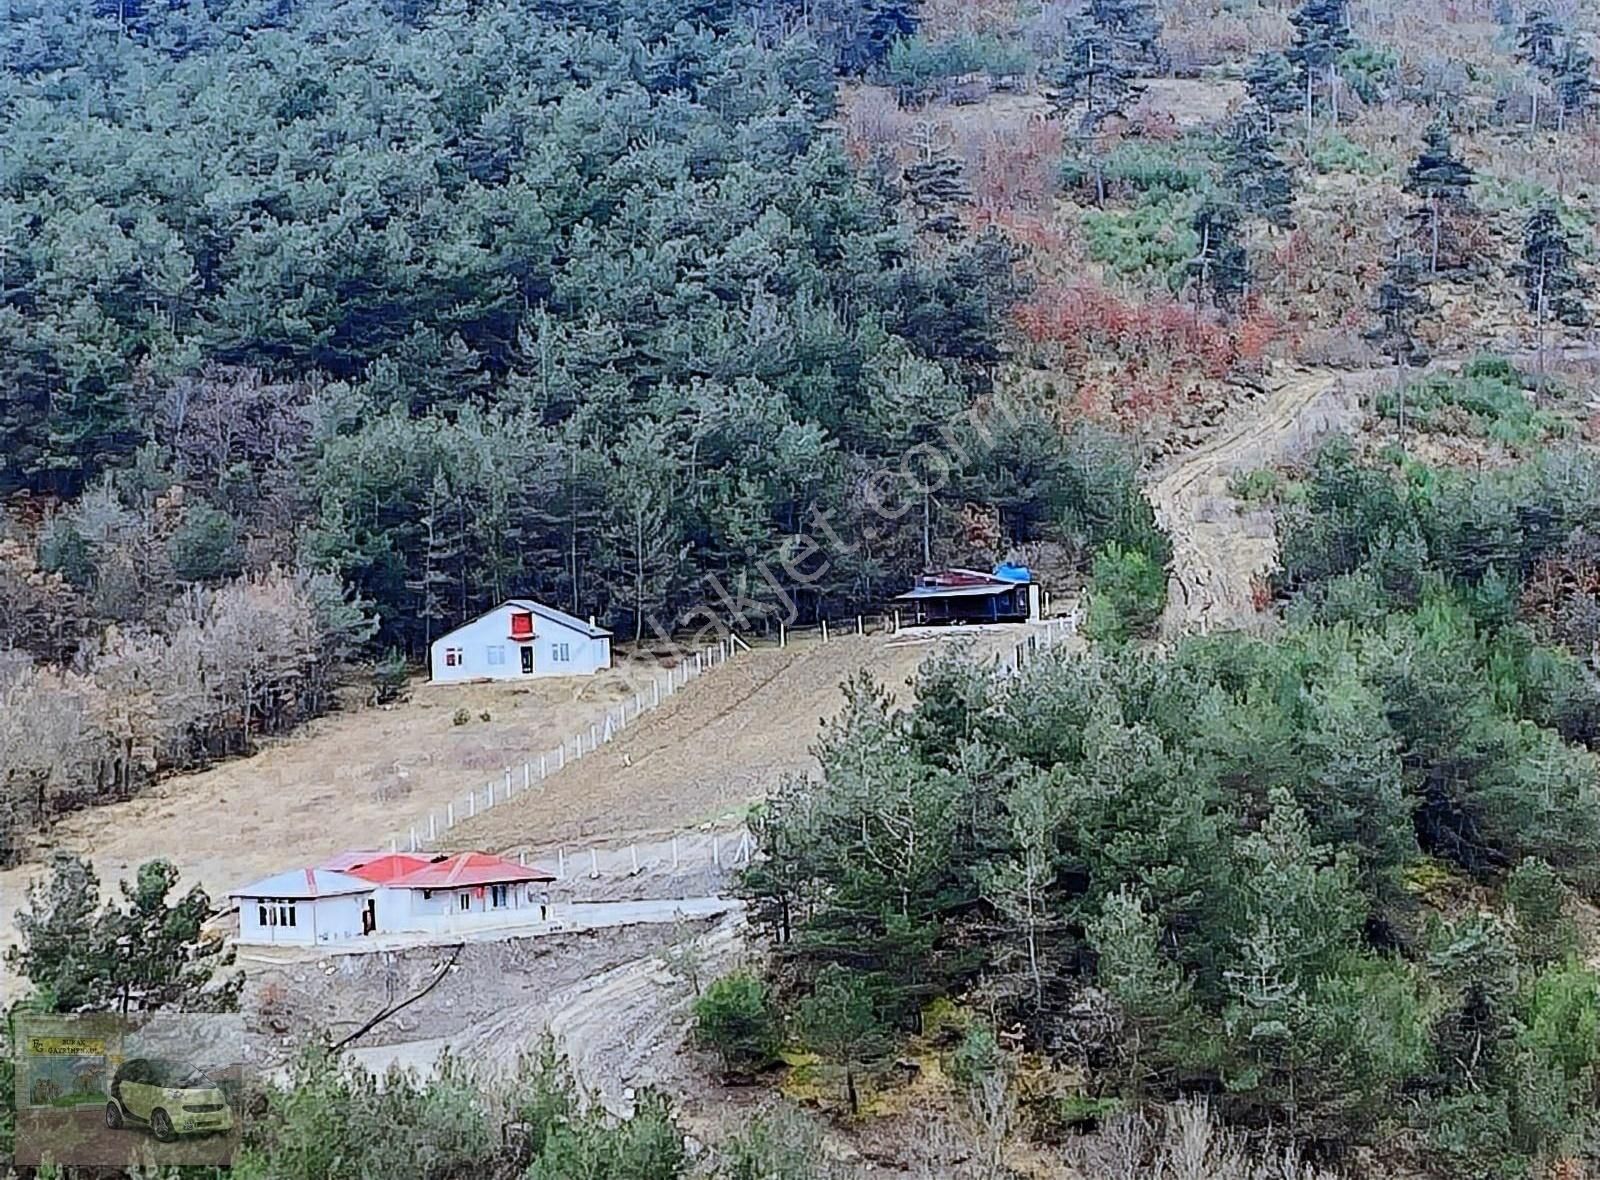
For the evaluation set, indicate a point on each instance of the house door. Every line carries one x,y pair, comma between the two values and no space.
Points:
527,660
369,917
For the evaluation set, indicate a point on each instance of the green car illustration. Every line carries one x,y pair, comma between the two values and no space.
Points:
169,1098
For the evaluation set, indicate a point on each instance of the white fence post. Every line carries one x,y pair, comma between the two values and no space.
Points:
394,845
472,804
674,852
527,775
655,692
861,627
561,863
508,784
783,634
824,630
594,864
522,858
897,622
633,854
594,741
413,839
433,826
716,852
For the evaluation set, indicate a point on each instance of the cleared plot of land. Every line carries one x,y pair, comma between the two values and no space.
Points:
713,749
346,780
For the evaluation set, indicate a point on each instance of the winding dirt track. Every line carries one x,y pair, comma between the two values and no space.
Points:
1220,549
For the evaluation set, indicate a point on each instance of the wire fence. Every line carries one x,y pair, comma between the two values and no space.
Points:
519,780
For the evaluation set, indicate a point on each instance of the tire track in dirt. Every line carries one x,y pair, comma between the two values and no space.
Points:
1219,550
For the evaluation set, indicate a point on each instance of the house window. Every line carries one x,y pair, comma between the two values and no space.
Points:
495,654
497,896
466,901
452,657
275,911
560,653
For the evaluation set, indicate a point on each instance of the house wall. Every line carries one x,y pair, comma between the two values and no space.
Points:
443,906
317,920
481,640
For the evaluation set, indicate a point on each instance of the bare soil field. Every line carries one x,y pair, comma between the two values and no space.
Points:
714,749
349,779
607,996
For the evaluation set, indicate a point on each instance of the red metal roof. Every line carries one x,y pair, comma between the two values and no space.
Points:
390,866
469,868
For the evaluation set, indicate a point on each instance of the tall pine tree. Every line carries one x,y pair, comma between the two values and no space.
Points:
1551,284
1257,176
1440,179
1321,34
1400,305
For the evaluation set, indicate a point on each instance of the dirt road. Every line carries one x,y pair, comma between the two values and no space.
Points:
1219,548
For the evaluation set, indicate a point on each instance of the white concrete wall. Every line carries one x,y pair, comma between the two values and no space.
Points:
316,920
443,907
489,639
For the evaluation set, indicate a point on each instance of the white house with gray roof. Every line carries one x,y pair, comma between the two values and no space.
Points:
305,907
517,640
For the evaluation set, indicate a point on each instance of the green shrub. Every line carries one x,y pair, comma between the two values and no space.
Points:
205,546
1485,400
737,1018
1155,239
1127,593
1254,487
1139,168
1333,152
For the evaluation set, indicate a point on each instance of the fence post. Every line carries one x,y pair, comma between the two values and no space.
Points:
674,852
433,826
522,858
472,804
508,784
561,755
594,864
783,634
527,775
541,768
561,863
413,839
824,630
394,845
594,740
897,622
861,628
716,852
633,854
697,661
655,692
450,814
577,748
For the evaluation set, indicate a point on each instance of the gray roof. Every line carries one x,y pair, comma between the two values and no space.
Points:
557,616
304,883
958,591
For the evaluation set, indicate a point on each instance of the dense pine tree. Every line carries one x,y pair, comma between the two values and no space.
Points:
1400,304
1258,177
1552,287
1221,267
1274,84
1321,34
1441,180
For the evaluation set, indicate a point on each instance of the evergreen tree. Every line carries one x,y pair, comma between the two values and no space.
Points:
1400,305
1572,78
1441,180
1551,284
1221,267
1092,75
1274,84
937,186
1258,178
1134,28
1321,34
1539,37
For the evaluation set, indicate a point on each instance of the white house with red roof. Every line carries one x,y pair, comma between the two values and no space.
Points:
363,892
